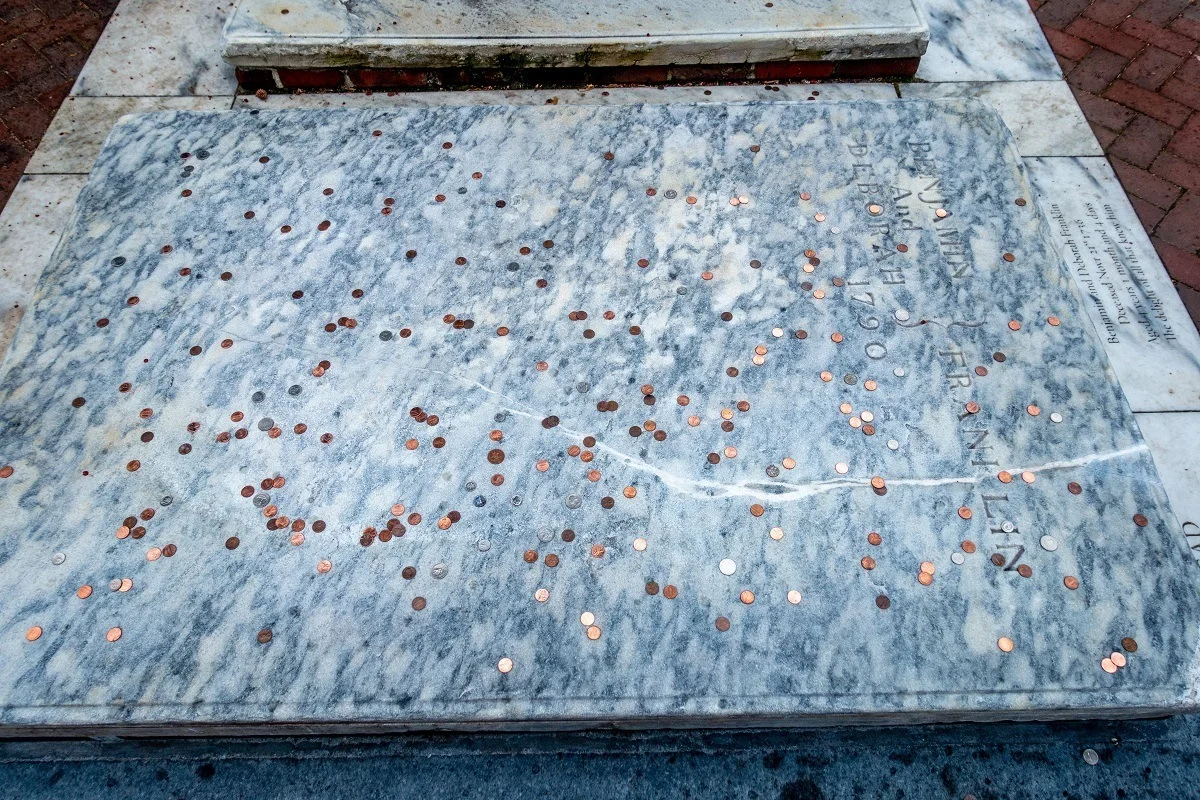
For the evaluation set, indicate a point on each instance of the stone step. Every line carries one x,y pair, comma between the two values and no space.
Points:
415,44
534,417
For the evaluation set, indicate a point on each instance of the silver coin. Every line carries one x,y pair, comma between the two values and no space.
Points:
484,545
958,558
438,571
1048,542
58,558
114,585
545,534
901,315
1091,757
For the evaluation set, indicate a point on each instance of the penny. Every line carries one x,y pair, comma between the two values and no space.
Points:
593,632
35,633
83,592
505,665
722,624
1129,644
113,634
1108,666
964,512
126,585
867,563
1071,582
746,596
670,591
1005,644
968,546
324,566
264,636
874,538
1118,659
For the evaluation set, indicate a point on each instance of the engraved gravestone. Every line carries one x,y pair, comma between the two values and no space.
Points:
659,415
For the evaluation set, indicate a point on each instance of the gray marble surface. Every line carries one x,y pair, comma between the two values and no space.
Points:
985,40
81,125
34,218
562,33
1150,338
157,48
347,646
1043,116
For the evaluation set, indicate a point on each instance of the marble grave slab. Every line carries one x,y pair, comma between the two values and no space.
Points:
507,417
557,33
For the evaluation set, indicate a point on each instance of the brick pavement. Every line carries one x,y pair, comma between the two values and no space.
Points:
43,46
1134,66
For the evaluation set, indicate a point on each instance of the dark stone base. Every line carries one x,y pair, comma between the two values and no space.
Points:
372,78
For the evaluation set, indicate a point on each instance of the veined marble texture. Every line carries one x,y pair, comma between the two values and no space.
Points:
722,346
561,33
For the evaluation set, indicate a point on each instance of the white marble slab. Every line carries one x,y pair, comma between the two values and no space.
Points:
1174,440
985,40
1147,332
160,48
30,227
565,33
615,96
1042,115
82,123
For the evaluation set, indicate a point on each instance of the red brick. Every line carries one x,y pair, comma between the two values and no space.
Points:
1142,141
1148,213
20,61
28,121
1179,227
1181,92
1064,64
66,54
1181,265
1149,103
1188,24
1099,111
1107,38
57,9
1187,141
1067,45
1177,170
1140,183
1097,71
791,70
30,20
310,78
83,26
1111,12
1161,12
1103,135
254,79
1190,71
381,78
877,68
1059,13
1170,41
53,97
1151,69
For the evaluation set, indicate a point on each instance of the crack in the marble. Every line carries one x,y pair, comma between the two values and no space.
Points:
782,491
